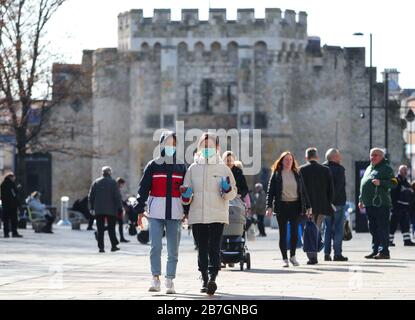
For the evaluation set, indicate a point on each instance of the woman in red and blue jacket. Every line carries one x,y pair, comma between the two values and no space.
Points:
159,190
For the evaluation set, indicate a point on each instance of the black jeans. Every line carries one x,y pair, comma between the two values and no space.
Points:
208,239
261,226
49,222
289,212
101,230
379,228
400,215
9,219
120,227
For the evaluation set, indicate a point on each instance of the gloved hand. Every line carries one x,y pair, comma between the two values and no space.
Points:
225,184
186,193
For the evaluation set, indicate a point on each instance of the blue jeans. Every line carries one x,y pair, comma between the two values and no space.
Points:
379,228
173,233
334,230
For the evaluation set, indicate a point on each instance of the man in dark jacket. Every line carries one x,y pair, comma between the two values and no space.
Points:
401,196
335,224
319,185
105,200
10,204
375,187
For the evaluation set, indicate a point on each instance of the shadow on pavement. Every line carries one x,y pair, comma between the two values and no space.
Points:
228,296
345,270
276,271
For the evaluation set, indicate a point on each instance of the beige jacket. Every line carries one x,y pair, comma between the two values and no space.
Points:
208,205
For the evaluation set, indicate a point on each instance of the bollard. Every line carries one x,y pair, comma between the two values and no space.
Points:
64,212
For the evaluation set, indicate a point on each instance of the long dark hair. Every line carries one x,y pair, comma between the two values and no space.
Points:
277,166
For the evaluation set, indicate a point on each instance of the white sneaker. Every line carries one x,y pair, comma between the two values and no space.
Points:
170,286
294,261
155,285
286,264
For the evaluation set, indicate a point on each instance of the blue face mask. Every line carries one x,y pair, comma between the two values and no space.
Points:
169,151
208,152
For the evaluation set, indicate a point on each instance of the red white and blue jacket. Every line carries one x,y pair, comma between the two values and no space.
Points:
159,190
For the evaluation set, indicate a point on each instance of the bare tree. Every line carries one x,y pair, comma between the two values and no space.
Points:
25,71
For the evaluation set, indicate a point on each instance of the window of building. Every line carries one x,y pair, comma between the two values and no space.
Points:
207,95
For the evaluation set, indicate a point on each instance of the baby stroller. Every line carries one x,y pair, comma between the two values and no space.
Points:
233,248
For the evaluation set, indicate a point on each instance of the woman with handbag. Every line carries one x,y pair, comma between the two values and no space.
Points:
287,196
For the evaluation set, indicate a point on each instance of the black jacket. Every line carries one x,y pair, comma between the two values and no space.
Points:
240,181
274,192
402,192
339,182
319,185
105,197
9,196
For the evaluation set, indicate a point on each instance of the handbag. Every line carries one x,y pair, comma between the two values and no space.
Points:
312,240
347,231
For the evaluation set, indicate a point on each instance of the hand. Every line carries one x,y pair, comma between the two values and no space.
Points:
309,212
269,212
225,184
361,205
376,182
186,192
185,218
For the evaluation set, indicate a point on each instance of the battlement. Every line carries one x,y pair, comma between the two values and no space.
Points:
191,17
133,25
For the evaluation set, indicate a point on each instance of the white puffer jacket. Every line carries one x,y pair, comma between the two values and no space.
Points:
208,205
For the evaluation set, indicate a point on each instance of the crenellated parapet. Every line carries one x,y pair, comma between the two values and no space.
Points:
134,28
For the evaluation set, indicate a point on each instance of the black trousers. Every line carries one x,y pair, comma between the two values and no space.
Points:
120,227
101,230
49,222
400,215
289,212
9,219
261,226
208,239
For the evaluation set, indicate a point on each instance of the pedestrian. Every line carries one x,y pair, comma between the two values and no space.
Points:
105,201
120,214
287,197
34,203
319,186
259,207
401,196
375,187
159,188
334,225
10,203
208,186
229,159
412,209
81,205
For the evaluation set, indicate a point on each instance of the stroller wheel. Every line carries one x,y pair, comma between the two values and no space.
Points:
248,261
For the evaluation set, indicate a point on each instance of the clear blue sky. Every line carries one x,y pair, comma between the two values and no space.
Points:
92,24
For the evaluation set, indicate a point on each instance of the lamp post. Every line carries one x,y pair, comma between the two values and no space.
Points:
370,91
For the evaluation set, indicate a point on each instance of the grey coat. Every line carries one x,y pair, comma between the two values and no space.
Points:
105,197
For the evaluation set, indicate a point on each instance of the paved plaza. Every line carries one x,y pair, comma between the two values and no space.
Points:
67,265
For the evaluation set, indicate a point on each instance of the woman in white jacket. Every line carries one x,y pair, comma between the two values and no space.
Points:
208,186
